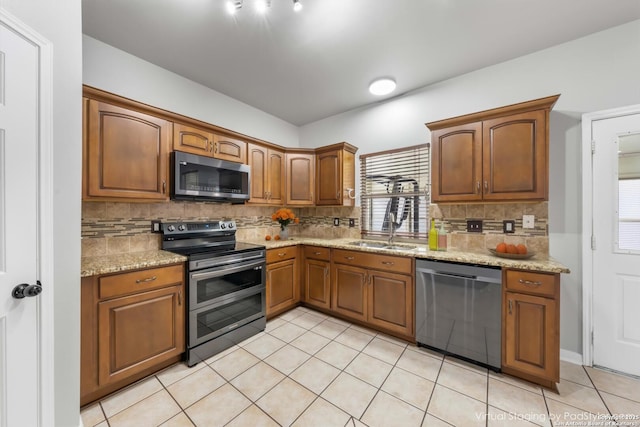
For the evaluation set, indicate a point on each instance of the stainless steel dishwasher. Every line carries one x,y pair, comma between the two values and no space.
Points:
458,310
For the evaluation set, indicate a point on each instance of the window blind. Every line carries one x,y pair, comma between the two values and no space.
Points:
629,214
395,181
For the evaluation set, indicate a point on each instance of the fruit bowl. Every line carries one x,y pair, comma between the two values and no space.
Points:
512,256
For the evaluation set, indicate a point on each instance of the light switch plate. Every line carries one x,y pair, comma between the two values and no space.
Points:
474,226
352,222
336,221
528,221
508,226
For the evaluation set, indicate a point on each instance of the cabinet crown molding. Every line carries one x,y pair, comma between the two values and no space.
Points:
546,103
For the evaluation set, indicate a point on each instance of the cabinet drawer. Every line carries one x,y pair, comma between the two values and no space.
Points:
281,254
140,280
532,282
395,264
317,252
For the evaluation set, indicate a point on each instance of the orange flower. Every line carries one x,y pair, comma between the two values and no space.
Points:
284,216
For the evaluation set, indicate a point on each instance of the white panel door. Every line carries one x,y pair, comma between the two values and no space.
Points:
616,257
19,349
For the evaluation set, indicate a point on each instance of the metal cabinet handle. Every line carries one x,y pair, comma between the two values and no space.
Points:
338,194
164,187
510,307
387,262
326,271
179,297
486,187
530,283
477,187
215,147
148,279
211,146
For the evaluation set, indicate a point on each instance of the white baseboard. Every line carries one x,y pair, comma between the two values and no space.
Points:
571,357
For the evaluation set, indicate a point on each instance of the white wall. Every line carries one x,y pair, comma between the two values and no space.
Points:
119,72
60,23
593,73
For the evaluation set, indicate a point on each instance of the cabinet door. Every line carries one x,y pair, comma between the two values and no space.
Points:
192,140
391,302
349,291
317,283
275,163
259,188
126,153
329,178
515,157
300,175
531,336
231,149
456,165
282,286
139,331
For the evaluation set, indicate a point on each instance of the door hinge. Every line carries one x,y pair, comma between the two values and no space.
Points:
593,242
593,146
592,337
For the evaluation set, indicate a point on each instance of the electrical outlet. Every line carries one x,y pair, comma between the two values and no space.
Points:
508,226
336,221
352,222
528,221
474,226
155,226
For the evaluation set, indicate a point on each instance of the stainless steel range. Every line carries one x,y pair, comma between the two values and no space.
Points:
225,285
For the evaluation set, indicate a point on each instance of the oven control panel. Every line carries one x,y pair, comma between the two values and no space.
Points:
197,227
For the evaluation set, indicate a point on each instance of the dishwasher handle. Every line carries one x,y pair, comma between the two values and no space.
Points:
458,275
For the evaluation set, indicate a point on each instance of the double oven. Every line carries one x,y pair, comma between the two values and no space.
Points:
225,285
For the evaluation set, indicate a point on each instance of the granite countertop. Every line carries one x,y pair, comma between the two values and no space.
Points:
542,263
92,266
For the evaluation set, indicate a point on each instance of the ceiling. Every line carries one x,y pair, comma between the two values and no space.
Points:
302,67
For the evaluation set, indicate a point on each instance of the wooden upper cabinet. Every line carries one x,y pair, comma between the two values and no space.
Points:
267,174
125,152
204,142
300,174
335,175
494,155
192,140
231,149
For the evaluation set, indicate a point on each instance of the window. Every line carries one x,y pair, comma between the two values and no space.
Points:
395,182
629,214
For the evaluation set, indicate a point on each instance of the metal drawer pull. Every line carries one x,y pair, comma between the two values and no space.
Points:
387,262
281,254
530,283
317,253
148,279
349,258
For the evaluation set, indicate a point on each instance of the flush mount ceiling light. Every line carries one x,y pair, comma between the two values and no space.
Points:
263,5
297,6
382,86
233,6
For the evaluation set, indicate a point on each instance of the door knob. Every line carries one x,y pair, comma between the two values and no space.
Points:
25,290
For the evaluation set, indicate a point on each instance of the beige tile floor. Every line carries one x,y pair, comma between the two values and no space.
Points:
308,369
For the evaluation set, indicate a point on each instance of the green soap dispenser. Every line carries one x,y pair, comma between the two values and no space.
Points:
433,236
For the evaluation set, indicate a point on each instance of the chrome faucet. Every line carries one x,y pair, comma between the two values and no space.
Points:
392,227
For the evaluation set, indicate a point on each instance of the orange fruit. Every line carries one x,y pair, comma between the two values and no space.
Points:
522,249
511,249
267,237
501,248
276,237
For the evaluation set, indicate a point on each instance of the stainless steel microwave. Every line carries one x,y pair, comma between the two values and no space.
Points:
195,177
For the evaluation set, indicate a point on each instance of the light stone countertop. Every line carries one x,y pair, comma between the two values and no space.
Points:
91,266
541,263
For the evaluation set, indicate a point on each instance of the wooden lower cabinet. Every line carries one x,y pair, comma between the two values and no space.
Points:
316,277
132,324
376,289
531,326
283,286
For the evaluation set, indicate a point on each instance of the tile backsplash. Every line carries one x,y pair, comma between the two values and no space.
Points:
116,227
492,215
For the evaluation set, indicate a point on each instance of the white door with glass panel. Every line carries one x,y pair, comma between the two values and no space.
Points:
20,397
616,243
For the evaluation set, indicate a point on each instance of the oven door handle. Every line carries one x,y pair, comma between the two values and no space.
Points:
221,271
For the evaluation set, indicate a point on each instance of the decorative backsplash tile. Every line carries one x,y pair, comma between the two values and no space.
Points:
115,227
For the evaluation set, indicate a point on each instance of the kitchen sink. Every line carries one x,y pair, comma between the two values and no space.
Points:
380,245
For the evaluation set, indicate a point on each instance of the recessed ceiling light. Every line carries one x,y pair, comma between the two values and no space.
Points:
297,6
382,86
233,6
263,5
